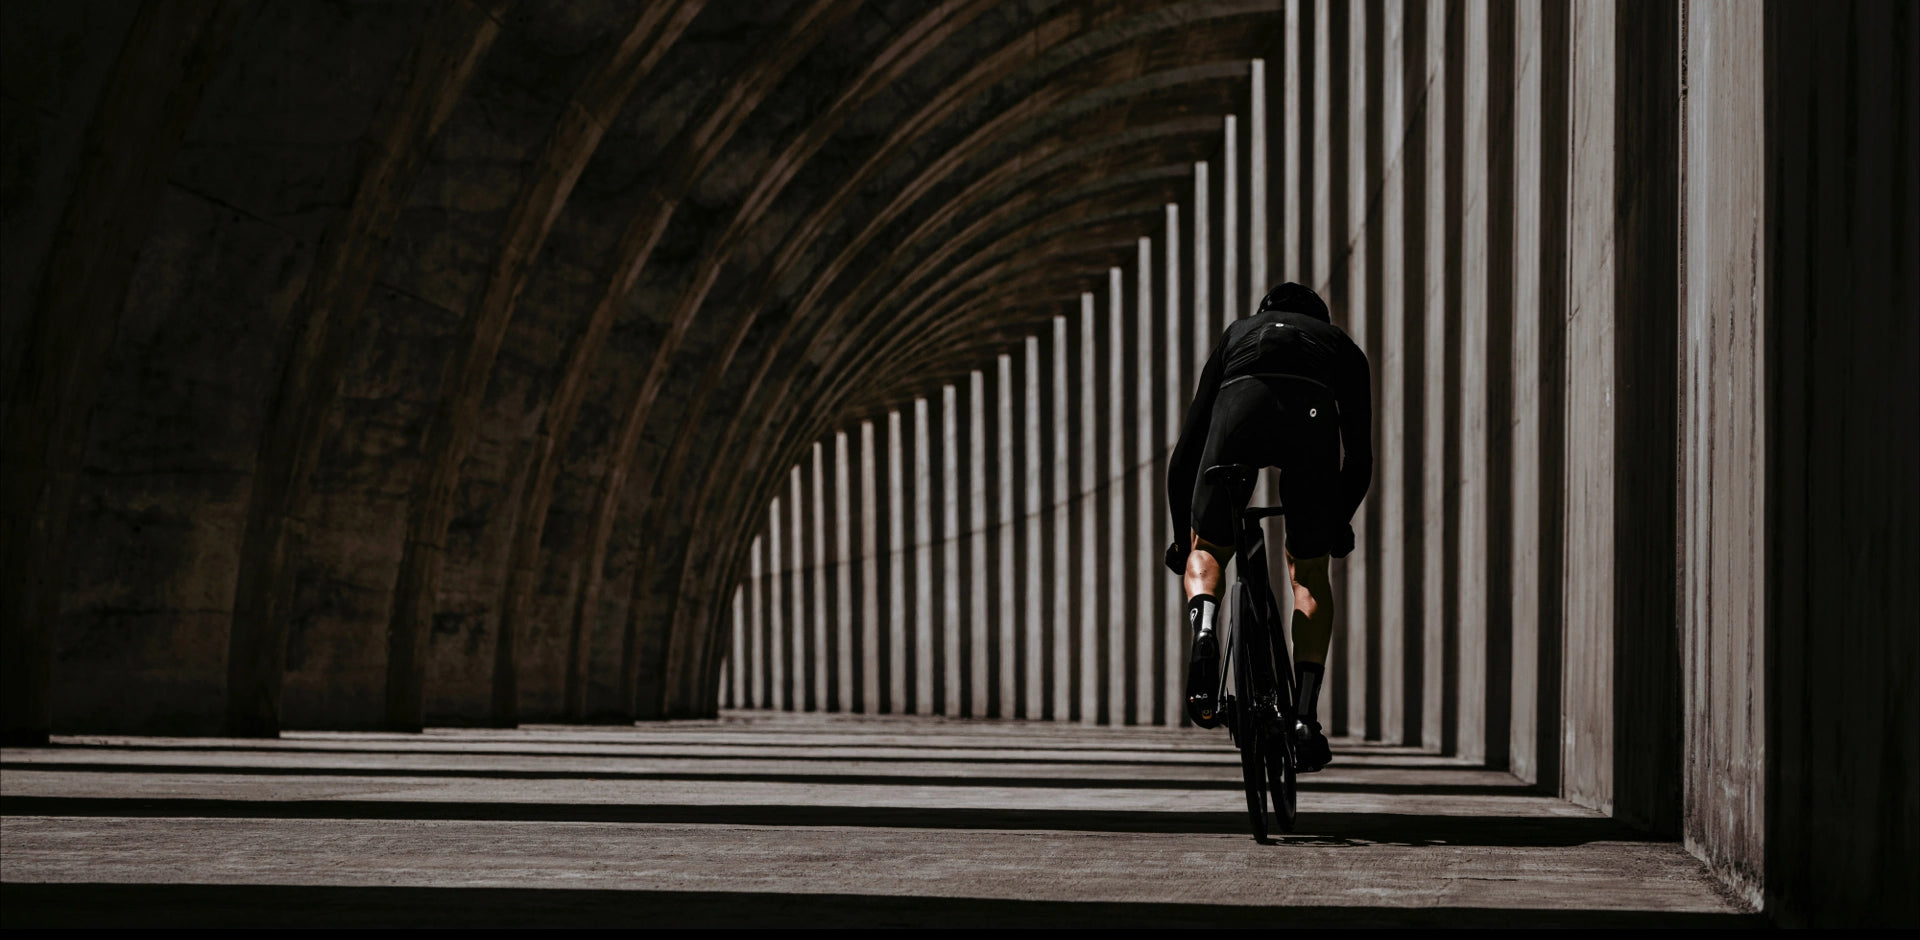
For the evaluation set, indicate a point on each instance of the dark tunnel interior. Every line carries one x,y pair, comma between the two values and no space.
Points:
492,364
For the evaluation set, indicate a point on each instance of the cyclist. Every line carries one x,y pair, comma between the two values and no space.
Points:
1284,388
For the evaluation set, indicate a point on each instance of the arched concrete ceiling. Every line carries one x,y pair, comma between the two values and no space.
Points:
590,277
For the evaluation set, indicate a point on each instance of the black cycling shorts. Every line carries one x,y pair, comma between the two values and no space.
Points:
1275,422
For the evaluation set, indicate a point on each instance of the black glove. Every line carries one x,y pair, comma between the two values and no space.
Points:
1343,541
1177,557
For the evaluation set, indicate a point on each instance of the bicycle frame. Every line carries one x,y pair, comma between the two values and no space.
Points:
1267,637
1267,758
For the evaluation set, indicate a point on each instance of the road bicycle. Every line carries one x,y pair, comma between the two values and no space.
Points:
1260,721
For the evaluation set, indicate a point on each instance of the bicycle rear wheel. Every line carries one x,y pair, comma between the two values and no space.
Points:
1253,772
1246,719
1281,780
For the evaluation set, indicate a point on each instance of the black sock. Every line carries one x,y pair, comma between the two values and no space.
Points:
1201,610
1309,676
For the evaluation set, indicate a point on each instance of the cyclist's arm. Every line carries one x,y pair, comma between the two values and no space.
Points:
1184,465
1355,395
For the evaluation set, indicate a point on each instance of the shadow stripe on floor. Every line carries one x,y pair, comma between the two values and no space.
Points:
844,779
171,905
841,755
1315,828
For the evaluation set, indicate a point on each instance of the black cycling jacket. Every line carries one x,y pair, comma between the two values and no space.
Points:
1311,348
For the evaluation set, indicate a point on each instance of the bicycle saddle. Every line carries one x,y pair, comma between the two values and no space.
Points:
1230,474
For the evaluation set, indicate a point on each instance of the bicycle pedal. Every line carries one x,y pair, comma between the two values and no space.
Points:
1201,709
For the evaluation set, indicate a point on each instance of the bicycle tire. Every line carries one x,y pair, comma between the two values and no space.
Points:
1283,781
1248,733
1253,771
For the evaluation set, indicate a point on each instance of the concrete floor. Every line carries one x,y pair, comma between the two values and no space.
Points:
789,819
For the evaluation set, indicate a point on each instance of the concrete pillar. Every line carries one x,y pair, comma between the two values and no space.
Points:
1258,259
1143,496
1116,621
869,570
948,539
1428,73
921,692
819,583
1329,273
1087,690
976,612
1539,301
1031,563
901,572
1463,704
1204,333
842,680
1333,131
735,695
759,677
1294,91
1399,519
1003,474
1061,559
799,675
779,694
1366,90
723,683
1173,395
1724,380
1587,749
1232,213
1622,649
1490,202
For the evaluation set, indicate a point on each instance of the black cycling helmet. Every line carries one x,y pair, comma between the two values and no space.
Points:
1297,298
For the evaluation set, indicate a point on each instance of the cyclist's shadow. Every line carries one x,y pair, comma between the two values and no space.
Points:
1422,830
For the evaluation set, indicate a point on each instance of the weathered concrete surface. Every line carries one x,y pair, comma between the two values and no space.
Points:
1621,750
1538,442
799,820
1723,366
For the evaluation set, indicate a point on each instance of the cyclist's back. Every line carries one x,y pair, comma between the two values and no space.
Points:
1284,388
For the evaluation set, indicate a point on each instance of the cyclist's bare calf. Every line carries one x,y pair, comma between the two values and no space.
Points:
1312,594
1206,567
1312,608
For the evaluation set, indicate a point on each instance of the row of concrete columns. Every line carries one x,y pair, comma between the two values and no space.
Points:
1470,188
993,548
984,550
1544,224
1398,127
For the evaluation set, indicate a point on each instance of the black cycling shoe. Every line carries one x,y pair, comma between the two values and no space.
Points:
1310,746
1203,680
